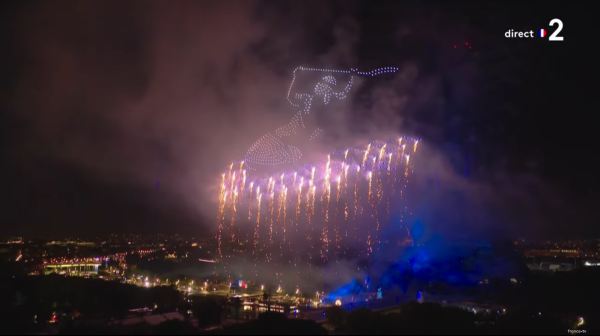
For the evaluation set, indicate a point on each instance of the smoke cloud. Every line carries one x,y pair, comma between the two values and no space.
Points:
147,93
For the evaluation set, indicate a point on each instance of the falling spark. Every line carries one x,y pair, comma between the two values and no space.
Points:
232,182
308,212
339,185
366,155
250,201
256,231
346,177
381,152
370,185
271,208
314,190
345,211
243,181
284,211
279,205
221,226
337,201
220,216
299,199
233,211
328,193
356,192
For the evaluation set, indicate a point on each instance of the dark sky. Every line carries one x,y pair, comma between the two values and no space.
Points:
120,116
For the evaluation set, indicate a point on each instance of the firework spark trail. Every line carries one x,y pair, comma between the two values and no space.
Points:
250,201
232,183
370,186
326,232
271,208
243,182
356,192
398,158
219,239
221,204
232,201
366,155
379,187
256,231
382,152
279,208
337,205
328,195
279,205
384,164
403,149
230,172
346,213
308,212
312,206
389,182
233,211
284,211
299,199
346,178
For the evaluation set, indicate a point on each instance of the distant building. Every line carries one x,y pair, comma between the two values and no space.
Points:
554,253
14,240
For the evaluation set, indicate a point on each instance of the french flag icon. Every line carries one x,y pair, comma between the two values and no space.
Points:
542,33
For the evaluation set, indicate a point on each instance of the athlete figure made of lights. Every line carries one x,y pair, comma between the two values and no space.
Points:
274,148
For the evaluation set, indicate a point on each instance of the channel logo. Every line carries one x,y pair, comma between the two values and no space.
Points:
512,33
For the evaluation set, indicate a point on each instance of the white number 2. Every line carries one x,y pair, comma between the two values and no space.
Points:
554,36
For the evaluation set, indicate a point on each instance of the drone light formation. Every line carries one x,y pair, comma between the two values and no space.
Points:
273,149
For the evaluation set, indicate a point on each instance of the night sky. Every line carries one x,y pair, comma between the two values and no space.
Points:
120,116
